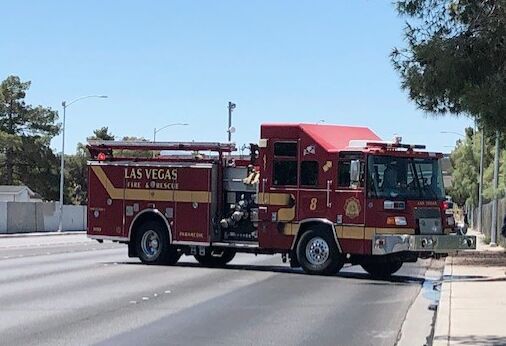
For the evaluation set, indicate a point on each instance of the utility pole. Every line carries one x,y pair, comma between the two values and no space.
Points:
493,231
480,193
231,107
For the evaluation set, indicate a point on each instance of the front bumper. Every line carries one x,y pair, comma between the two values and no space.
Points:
390,243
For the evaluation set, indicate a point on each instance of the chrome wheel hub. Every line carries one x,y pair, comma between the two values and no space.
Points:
317,251
150,244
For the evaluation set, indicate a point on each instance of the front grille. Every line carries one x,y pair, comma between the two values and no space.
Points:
427,213
428,221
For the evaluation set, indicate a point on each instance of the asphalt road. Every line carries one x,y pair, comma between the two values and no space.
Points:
67,290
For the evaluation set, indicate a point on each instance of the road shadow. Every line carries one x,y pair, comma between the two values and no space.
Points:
343,274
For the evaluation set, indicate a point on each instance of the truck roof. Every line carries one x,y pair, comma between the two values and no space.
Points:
331,137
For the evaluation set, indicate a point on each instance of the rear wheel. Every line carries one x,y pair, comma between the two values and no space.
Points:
153,247
382,269
318,254
216,258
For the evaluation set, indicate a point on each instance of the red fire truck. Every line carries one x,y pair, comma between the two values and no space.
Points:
319,195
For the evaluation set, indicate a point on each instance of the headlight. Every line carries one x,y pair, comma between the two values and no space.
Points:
397,220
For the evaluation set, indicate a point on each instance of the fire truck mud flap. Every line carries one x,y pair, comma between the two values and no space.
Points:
387,244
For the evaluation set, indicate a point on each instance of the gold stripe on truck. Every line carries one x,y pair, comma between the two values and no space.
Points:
367,233
352,232
371,231
150,195
280,199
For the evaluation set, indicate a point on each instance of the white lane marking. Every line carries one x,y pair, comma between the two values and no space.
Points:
145,298
133,302
167,292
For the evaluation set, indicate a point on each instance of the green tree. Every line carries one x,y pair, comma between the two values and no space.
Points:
25,135
465,160
103,134
76,176
455,58
133,153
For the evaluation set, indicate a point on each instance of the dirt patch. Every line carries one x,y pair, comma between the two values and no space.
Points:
480,258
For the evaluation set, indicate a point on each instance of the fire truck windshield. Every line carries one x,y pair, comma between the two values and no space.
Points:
404,178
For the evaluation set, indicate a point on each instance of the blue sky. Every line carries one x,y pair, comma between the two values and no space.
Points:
162,62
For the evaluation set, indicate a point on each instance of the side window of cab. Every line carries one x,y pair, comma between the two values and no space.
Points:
309,173
344,171
285,164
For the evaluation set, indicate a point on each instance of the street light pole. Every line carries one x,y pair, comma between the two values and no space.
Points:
480,186
493,230
62,159
453,133
62,169
155,131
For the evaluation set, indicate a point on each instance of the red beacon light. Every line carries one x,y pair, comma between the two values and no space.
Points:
101,157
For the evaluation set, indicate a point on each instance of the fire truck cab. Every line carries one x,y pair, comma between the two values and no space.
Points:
320,195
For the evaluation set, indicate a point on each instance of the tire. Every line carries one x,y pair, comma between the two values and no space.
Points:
153,246
317,253
382,270
215,259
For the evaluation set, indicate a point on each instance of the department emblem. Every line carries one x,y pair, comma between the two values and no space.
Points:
352,207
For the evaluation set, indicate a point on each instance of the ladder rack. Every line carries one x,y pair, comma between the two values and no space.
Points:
100,145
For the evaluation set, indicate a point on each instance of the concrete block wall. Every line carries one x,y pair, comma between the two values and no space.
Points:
74,217
23,217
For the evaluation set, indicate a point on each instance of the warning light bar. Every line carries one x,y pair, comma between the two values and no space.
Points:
363,144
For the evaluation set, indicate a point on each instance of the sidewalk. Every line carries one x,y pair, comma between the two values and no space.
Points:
472,309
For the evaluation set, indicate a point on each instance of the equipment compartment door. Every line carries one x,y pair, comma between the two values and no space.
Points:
195,199
106,200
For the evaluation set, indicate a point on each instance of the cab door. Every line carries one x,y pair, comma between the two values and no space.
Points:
350,204
278,192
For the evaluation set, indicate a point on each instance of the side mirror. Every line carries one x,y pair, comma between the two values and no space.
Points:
355,172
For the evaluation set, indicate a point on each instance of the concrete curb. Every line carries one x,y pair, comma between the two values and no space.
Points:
442,330
40,234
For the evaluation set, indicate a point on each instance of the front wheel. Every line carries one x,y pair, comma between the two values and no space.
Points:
215,258
153,247
382,269
318,254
